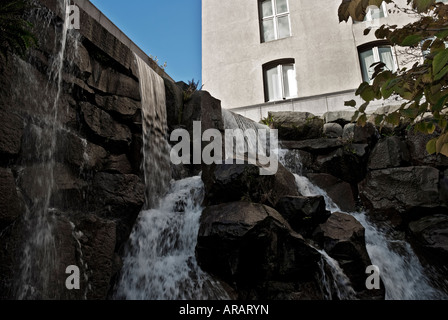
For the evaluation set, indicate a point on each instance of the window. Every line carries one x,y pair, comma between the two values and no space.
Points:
376,12
373,55
274,21
280,80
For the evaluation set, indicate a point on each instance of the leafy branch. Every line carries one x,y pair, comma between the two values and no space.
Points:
422,88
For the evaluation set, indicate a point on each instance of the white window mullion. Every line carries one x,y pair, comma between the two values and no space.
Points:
282,85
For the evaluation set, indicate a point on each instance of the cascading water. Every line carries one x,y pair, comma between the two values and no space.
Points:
402,273
39,255
156,150
160,262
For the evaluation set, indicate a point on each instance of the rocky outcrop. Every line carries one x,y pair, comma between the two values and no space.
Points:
343,238
77,145
397,191
251,247
232,182
296,125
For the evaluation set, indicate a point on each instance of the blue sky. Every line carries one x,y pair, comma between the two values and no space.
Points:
167,29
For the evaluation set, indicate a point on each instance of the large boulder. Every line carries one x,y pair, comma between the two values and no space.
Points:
105,129
393,191
296,125
338,190
417,148
234,182
430,235
304,214
253,249
389,153
343,238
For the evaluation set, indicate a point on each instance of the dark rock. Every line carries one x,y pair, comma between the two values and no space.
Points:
116,192
11,132
367,134
118,164
57,181
347,163
389,153
79,152
304,214
123,107
110,81
419,155
340,117
98,253
251,247
343,238
317,146
339,191
234,182
430,235
10,205
332,130
295,126
398,190
174,103
105,129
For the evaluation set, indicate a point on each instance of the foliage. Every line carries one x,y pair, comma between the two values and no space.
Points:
422,88
15,32
192,88
268,121
156,60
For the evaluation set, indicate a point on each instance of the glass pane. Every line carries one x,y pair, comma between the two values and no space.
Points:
387,57
268,30
273,84
366,60
289,81
283,27
266,8
281,6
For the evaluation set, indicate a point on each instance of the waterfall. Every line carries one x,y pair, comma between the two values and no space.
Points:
156,150
403,275
37,279
160,262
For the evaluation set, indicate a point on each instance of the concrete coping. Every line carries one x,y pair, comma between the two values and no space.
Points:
107,24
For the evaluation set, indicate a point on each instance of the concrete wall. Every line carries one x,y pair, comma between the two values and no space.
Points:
325,51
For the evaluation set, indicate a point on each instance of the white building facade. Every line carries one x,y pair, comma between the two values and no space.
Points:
290,55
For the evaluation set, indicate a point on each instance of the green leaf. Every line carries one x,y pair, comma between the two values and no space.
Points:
362,120
441,74
442,34
431,146
440,61
440,104
411,40
393,118
441,142
410,113
422,5
368,94
444,149
351,103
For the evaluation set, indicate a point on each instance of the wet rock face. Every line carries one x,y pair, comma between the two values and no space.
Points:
83,158
232,182
252,247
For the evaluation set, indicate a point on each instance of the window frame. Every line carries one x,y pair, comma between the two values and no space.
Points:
275,18
382,8
279,64
374,47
